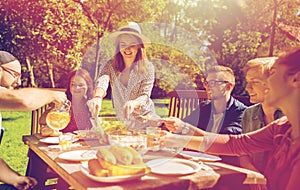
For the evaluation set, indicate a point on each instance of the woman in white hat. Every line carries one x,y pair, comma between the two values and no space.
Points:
130,75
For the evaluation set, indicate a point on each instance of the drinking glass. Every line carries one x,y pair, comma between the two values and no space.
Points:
153,135
65,141
59,117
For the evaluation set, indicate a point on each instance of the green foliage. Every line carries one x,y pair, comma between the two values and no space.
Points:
12,148
250,36
55,35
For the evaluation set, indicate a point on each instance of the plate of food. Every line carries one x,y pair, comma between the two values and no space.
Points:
173,166
199,156
96,173
78,155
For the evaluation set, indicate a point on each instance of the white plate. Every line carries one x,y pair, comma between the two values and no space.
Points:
81,131
53,140
78,155
50,140
199,156
85,170
173,166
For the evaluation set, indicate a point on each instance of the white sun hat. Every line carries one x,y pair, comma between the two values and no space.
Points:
132,28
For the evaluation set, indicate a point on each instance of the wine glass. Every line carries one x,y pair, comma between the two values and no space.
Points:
59,117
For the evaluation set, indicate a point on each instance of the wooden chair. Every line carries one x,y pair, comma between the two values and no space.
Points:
183,102
35,115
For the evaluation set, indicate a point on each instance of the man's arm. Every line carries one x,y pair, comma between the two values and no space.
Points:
11,177
26,99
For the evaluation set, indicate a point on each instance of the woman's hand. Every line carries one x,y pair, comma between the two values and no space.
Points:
129,108
94,106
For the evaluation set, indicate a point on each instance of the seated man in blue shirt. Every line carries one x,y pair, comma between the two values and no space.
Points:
221,114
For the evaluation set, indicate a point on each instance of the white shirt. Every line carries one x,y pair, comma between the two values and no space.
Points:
217,118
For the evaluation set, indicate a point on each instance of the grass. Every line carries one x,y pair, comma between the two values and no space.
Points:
17,124
12,148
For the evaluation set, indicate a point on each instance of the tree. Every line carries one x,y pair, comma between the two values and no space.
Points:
44,34
257,35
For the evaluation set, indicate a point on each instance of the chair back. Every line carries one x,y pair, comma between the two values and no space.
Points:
35,116
183,102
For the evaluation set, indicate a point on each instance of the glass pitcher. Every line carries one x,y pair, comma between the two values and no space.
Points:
59,117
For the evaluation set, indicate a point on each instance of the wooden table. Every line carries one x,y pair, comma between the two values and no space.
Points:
219,173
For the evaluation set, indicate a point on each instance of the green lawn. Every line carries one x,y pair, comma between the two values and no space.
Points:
16,124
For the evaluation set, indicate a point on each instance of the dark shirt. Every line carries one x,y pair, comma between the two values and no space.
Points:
202,117
80,120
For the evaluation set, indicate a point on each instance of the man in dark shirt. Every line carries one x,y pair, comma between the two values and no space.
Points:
221,114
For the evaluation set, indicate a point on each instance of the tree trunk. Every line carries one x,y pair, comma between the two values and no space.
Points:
273,25
50,72
31,74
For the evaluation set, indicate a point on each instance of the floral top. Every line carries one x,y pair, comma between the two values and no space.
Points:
139,88
283,166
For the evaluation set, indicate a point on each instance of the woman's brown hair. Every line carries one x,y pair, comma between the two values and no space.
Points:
86,76
140,59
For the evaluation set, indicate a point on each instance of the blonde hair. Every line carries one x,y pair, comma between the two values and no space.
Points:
262,64
227,72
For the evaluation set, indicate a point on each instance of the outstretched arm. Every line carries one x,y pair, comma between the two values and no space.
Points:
26,99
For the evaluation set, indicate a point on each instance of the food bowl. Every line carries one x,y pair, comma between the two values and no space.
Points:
137,142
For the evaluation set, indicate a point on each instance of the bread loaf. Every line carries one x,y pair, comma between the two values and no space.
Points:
123,155
117,161
106,158
136,156
96,168
120,170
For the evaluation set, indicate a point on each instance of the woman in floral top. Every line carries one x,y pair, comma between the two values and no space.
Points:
131,77
281,137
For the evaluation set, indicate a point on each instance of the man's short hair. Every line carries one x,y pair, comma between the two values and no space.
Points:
6,57
227,72
262,64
